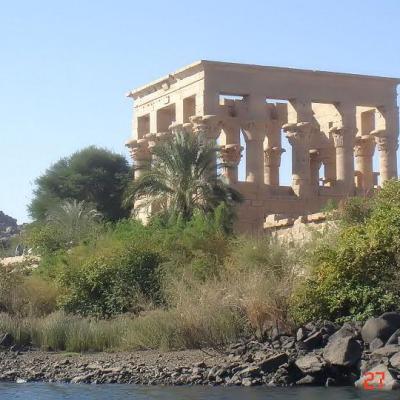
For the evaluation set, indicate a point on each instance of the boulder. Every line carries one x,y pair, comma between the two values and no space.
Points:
347,330
310,364
314,341
344,352
386,351
382,327
395,360
376,344
249,372
378,378
6,340
394,339
272,363
307,380
301,334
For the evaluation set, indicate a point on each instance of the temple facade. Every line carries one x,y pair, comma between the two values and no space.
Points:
333,123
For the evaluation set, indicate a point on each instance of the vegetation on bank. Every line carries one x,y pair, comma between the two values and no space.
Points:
186,280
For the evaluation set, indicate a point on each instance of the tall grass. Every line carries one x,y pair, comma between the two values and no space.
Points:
250,294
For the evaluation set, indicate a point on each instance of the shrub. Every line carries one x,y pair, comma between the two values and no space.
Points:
106,285
26,295
357,275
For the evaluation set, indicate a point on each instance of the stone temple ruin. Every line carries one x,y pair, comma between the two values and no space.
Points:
334,123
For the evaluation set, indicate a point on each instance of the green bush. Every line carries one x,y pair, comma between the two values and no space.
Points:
356,275
23,295
113,284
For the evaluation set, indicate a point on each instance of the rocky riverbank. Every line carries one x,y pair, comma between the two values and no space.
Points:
318,354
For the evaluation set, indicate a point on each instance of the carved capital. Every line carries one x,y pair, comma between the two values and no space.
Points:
209,125
272,156
339,132
384,142
299,132
175,128
139,150
364,146
231,154
255,130
315,156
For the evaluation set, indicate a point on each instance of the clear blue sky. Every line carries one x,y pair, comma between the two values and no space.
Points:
65,66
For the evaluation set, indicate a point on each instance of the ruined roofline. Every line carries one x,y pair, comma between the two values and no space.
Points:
202,64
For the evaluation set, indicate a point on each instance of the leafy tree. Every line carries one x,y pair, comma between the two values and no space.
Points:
356,274
94,175
182,179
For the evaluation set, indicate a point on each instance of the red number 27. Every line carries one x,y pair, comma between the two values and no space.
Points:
370,377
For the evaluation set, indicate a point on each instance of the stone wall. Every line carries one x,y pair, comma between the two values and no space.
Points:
300,229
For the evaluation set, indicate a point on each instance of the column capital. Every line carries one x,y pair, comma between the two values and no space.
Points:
209,125
364,146
231,154
315,155
297,132
175,128
383,141
255,129
152,140
340,132
139,150
272,156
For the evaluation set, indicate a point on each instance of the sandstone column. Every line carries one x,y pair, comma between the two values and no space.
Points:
315,164
209,126
344,138
298,135
364,150
141,156
255,133
387,147
231,155
272,162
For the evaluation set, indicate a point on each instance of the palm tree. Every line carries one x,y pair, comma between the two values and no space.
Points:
75,219
182,179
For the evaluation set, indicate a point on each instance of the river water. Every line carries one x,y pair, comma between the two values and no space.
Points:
45,391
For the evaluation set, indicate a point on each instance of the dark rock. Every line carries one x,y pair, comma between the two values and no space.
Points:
200,364
376,344
347,330
343,351
313,341
395,360
7,340
330,382
310,364
274,334
382,327
249,372
273,363
301,334
394,339
307,380
386,351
